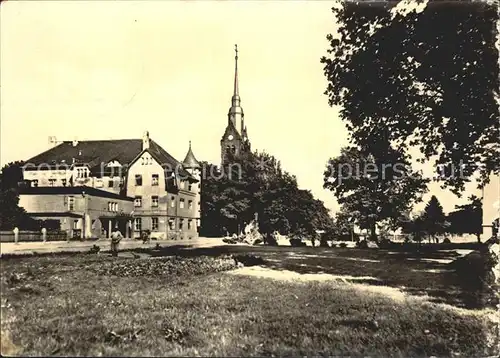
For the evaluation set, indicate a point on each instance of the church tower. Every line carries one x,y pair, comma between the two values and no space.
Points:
235,138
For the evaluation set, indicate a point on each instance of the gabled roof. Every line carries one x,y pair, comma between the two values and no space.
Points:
92,152
95,152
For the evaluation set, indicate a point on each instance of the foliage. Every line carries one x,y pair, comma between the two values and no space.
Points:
373,187
427,80
468,218
415,226
434,219
11,214
256,184
94,249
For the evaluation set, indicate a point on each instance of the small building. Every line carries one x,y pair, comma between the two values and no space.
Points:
93,186
82,211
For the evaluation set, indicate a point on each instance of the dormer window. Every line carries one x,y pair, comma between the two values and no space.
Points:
138,180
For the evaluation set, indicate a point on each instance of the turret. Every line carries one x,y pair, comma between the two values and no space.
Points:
190,162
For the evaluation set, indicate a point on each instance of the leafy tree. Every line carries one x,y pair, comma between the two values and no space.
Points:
434,219
468,218
255,183
11,214
415,226
12,175
374,187
427,80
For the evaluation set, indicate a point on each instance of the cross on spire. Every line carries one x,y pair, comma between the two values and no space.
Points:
236,90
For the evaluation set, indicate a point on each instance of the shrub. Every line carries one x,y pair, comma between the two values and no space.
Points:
249,260
475,275
343,245
363,244
94,249
323,243
446,241
333,245
269,239
169,266
258,241
297,243
386,244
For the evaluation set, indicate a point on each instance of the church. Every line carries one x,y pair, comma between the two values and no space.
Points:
93,187
235,138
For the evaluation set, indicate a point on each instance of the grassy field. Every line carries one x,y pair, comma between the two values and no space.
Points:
417,274
83,305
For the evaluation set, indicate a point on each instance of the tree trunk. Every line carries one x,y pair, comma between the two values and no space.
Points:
478,238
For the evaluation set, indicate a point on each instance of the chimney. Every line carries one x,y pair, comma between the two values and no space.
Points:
145,140
52,141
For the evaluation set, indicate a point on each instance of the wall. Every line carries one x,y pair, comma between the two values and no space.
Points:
93,207
25,236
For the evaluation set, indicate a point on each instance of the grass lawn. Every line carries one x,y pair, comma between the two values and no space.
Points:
417,274
69,305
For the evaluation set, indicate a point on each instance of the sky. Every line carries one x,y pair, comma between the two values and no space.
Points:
112,70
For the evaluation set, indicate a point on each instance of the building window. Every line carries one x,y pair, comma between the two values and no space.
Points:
115,205
171,224
75,224
190,204
154,224
172,203
138,201
111,183
190,187
63,181
155,179
181,203
34,183
181,224
154,201
71,203
138,180
52,182
137,224
109,207
189,224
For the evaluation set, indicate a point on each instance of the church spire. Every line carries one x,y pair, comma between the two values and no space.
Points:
235,114
236,89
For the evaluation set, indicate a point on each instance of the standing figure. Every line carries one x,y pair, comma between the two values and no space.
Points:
116,237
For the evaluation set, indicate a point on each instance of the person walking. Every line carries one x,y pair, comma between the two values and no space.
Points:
116,237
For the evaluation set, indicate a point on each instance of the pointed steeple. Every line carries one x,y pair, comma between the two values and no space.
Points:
235,114
190,161
236,88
